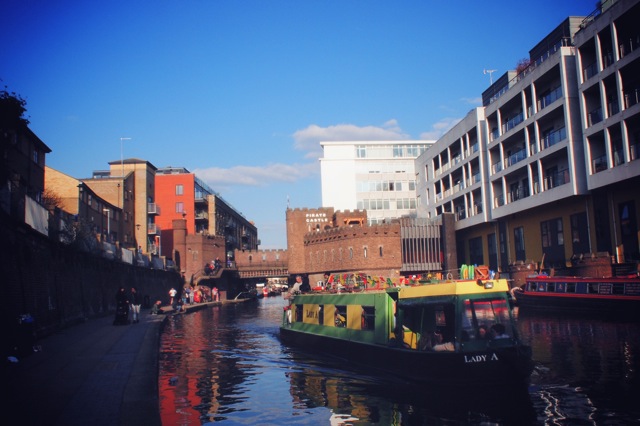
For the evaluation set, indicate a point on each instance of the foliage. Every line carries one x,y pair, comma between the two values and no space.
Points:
51,200
12,109
522,65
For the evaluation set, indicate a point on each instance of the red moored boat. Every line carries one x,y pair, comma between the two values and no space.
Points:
620,295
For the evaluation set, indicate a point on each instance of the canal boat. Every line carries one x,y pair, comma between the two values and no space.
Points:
618,295
429,331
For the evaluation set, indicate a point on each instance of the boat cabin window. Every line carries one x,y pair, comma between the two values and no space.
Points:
321,314
368,320
483,313
571,287
298,313
551,287
340,316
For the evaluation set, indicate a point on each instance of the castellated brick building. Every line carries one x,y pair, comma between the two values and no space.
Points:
323,240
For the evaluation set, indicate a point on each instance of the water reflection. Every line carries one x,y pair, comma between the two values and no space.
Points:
587,368
226,364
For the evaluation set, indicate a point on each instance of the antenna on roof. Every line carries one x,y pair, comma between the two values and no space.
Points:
490,72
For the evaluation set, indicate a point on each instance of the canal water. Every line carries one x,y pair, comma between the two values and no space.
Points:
226,365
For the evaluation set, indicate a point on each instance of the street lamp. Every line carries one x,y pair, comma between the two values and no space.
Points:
107,211
122,154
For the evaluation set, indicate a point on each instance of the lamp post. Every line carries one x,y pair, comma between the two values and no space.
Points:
122,154
108,211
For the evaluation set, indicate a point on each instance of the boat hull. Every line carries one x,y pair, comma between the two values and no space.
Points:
488,367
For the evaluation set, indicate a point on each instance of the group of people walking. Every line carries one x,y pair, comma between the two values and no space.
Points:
125,303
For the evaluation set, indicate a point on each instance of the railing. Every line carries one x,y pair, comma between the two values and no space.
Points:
595,116
589,71
513,122
547,100
202,215
153,229
631,98
629,46
498,201
495,134
153,208
613,108
533,148
516,158
518,193
553,138
554,180
497,167
634,151
599,164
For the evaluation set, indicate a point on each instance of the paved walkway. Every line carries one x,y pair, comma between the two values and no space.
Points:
90,374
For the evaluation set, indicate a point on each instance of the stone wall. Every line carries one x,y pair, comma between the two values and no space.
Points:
58,286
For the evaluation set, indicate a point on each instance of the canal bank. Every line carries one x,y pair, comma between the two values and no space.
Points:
93,373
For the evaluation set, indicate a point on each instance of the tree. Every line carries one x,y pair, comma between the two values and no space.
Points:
522,65
12,110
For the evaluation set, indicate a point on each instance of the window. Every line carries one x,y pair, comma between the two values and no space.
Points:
36,156
179,189
350,253
340,316
365,252
368,319
179,207
361,151
518,238
380,250
475,251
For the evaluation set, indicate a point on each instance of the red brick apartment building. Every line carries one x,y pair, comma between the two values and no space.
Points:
180,194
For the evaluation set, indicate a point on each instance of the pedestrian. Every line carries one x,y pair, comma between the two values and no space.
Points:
122,307
214,292
136,303
172,295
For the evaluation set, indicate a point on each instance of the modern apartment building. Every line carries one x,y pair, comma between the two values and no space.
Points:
547,168
376,176
182,195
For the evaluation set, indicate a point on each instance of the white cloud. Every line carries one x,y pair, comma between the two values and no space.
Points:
309,138
440,128
256,175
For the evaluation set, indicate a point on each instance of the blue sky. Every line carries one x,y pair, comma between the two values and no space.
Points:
242,92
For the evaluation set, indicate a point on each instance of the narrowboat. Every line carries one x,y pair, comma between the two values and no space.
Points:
430,331
619,295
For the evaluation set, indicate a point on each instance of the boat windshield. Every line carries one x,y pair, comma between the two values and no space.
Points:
479,315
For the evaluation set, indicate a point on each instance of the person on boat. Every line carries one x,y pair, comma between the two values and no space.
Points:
297,285
483,333
498,332
439,345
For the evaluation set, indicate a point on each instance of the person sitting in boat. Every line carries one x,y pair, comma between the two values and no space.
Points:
439,345
498,332
483,333
340,320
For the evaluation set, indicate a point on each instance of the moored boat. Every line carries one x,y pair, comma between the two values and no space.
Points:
430,332
619,295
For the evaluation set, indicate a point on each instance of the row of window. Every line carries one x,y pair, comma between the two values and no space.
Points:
384,204
386,185
583,288
385,151
367,316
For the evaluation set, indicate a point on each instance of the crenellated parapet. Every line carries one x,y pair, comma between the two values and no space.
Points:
352,233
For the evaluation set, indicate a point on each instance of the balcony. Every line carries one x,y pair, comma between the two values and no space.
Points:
513,122
153,208
556,179
595,116
553,138
516,158
201,216
547,100
599,164
153,229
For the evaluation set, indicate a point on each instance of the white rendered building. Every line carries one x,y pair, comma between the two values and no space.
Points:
376,176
